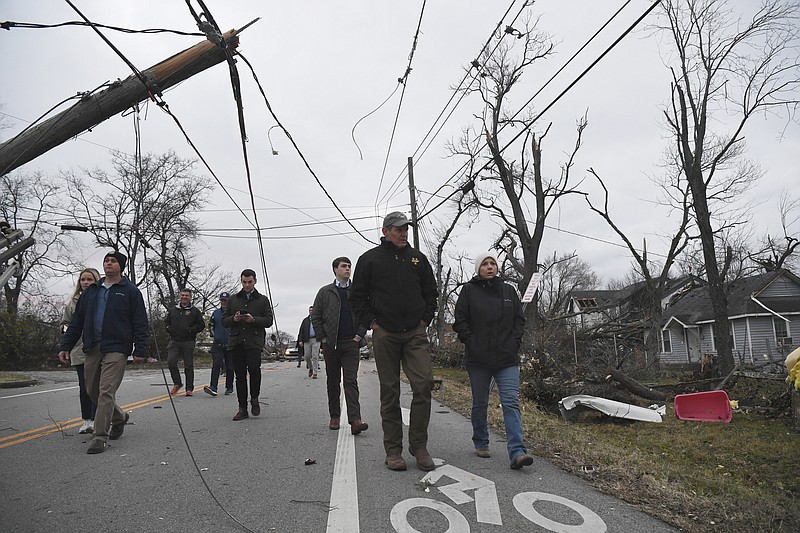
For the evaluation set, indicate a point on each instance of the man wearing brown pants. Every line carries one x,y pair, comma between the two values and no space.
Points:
112,320
394,294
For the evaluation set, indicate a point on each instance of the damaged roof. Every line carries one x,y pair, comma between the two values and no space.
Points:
695,307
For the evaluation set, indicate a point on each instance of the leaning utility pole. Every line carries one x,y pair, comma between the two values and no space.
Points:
93,109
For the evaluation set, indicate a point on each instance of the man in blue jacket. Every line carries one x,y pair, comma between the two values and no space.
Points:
111,318
222,358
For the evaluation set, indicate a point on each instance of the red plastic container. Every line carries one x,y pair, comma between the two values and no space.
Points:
712,406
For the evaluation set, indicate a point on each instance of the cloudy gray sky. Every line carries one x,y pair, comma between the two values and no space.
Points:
325,64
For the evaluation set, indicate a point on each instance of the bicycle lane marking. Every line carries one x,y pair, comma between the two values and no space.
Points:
343,515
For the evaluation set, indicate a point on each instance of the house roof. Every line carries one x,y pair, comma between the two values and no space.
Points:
605,299
696,307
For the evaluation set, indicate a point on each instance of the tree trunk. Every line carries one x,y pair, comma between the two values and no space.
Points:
637,388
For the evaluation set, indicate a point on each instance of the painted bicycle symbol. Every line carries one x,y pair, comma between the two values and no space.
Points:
487,506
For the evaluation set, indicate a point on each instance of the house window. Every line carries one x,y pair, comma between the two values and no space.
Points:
666,341
586,303
713,342
782,331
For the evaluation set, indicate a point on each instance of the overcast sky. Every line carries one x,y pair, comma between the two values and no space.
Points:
325,64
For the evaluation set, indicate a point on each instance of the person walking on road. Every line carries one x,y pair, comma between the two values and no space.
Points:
247,314
340,337
489,321
394,294
183,323
307,338
111,319
76,357
221,357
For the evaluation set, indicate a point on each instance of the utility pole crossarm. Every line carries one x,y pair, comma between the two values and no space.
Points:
93,109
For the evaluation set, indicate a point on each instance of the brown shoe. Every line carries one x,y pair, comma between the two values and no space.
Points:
424,459
334,424
482,452
241,414
255,407
521,460
357,426
394,461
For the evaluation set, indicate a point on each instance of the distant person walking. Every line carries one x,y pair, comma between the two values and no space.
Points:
340,337
489,321
248,314
221,357
111,319
394,294
307,339
183,323
76,357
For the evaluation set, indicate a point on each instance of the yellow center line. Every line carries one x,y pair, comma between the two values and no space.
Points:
56,427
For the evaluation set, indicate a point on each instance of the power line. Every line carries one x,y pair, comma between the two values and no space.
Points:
297,148
9,24
474,64
556,99
403,79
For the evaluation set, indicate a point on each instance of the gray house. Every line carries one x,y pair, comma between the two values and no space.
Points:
763,312
588,309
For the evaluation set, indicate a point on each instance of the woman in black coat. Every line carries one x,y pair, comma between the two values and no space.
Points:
489,321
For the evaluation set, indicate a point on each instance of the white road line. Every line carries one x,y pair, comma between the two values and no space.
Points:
343,516
37,392
405,413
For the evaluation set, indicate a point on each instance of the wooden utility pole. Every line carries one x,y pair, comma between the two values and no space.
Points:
413,193
93,109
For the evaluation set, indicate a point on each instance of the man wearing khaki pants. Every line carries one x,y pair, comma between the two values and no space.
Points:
112,320
394,294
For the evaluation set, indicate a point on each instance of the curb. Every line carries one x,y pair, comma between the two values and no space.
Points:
18,384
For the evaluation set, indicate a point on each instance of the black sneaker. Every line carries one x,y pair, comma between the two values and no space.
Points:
116,430
97,446
209,390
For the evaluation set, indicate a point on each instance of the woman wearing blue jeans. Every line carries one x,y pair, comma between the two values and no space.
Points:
489,321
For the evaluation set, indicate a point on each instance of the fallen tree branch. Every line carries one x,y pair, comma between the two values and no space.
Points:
637,388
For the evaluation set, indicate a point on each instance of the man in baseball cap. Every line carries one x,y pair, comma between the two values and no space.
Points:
394,294
396,219
222,358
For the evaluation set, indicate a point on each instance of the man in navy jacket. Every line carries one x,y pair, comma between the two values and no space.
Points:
112,319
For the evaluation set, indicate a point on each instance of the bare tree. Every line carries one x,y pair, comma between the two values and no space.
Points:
145,209
26,203
654,273
505,186
446,283
778,252
726,69
561,276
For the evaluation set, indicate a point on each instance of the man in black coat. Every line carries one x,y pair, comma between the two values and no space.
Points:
183,323
248,314
394,294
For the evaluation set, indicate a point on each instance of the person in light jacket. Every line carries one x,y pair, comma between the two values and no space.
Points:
77,358
489,321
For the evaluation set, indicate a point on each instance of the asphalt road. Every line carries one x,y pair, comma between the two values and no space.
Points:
252,475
